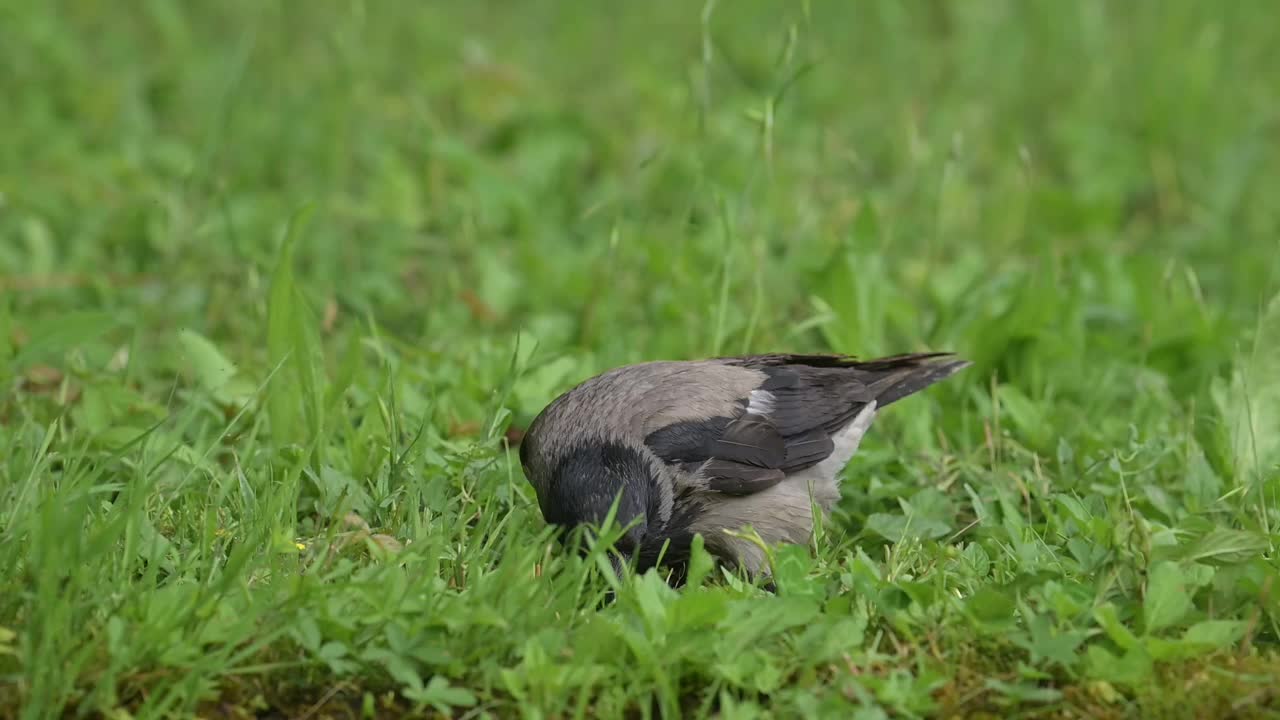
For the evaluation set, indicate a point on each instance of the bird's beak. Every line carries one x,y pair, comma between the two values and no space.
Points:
619,564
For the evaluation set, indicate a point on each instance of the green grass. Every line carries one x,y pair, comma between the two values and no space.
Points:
266,267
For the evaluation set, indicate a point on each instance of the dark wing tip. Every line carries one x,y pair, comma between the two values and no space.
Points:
888,378
906,360
917,374
839,360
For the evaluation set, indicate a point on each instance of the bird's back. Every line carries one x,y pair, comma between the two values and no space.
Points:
628,403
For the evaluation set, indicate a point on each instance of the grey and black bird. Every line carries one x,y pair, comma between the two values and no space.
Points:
699,447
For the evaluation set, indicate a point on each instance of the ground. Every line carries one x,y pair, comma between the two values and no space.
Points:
282,283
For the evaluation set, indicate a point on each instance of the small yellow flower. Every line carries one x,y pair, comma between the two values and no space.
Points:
300,546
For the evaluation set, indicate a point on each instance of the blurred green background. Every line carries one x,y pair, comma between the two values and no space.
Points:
491,201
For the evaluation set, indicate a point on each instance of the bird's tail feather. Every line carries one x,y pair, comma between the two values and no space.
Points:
908,374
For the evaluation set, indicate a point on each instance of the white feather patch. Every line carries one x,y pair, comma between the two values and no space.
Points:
761,402
784,512
824,478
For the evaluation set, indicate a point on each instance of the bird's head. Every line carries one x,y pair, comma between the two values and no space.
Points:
585,485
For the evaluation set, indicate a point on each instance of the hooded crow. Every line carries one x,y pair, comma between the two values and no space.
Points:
702,447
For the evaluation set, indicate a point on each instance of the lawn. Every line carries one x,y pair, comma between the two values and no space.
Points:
282,283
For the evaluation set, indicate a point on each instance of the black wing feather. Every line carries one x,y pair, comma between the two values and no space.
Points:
808,449
814,397
750,440
734,478
738,456
823,393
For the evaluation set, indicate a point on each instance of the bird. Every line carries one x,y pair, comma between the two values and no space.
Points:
708,447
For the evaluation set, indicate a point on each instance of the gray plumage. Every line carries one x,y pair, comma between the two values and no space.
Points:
700,447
